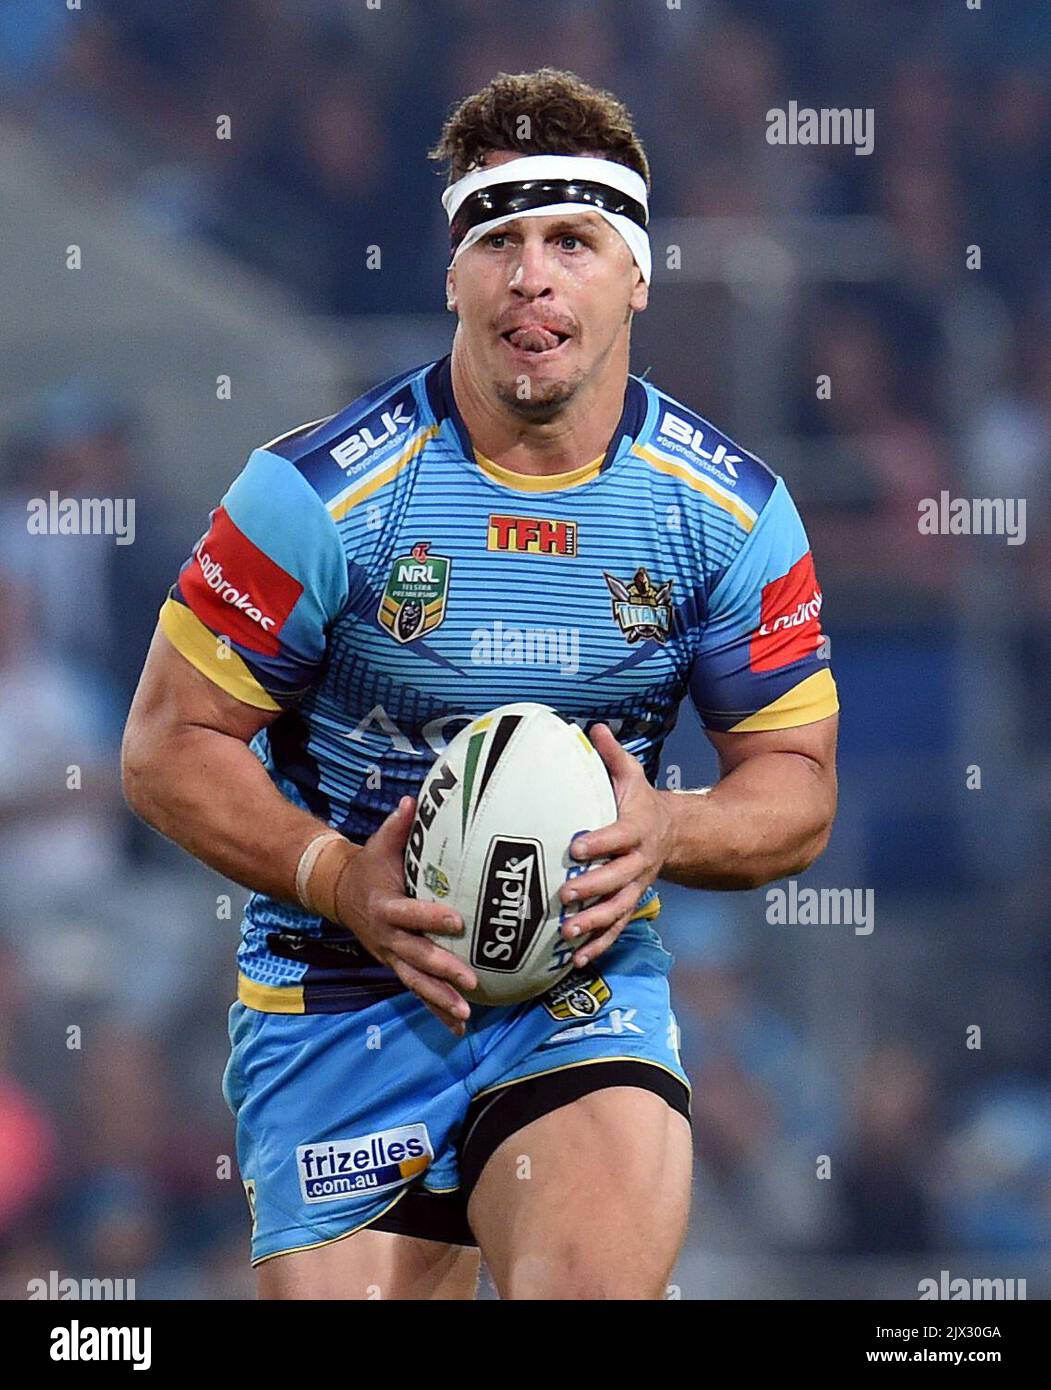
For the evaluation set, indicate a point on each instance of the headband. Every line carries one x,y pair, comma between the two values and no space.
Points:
543,185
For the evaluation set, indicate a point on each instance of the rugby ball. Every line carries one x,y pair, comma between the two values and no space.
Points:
494,821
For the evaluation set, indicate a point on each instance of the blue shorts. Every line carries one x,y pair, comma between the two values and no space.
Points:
341,1117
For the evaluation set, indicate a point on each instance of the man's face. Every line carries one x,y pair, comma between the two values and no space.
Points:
542,303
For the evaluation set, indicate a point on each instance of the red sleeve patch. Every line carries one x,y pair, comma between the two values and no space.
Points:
789,618
236,589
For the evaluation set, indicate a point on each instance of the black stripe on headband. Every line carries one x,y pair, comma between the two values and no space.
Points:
500,199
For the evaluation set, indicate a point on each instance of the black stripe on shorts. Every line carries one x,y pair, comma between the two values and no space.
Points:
495,1116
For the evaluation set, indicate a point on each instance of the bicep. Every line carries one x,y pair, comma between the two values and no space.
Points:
815,742
173,694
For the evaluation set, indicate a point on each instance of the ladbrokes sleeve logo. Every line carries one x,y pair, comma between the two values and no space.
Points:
789,618
237,590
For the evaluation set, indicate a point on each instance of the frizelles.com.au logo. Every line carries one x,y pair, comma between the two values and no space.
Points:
82,516
373,1163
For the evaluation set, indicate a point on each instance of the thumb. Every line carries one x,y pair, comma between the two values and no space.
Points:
610,750
393,834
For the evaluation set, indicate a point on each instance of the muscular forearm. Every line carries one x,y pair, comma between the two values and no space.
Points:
209,793
768,818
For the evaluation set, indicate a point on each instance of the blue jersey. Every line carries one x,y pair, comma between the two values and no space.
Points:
381,584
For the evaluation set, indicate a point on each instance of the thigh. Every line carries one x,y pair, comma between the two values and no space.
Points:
589,1201
372,1265
332,1134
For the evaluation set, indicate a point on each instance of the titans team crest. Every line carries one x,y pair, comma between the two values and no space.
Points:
640,607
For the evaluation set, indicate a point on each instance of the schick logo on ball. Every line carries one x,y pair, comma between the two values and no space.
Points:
512,907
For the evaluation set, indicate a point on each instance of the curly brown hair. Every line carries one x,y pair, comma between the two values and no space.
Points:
564,115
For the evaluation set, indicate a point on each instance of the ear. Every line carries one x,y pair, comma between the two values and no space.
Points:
640,293
450,290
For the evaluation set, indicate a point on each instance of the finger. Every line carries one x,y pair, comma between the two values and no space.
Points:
442,1000
604,879
600,943
605,913
433,959
618,837
409,914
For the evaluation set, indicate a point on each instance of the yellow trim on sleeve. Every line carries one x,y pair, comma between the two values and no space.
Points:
740,511
533,482
270,999
812,699
189,636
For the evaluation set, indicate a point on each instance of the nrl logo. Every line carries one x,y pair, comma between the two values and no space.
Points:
413,602
642,610
435,881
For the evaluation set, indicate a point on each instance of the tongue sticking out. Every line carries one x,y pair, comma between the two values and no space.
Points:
534,339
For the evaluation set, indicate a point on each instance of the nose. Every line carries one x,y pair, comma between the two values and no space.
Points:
531,278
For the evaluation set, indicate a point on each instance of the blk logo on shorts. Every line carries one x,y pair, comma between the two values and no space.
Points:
374,1163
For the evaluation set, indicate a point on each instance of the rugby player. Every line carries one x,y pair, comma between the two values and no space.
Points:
325,640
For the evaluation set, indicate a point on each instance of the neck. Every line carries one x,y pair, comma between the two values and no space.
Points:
579,433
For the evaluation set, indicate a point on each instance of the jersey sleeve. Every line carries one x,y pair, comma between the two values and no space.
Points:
762,660
253,604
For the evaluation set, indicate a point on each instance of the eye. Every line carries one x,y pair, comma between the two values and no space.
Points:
493,238
570,237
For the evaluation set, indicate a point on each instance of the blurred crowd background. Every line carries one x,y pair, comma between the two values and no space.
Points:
246,257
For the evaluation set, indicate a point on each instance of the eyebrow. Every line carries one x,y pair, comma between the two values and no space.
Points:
571,222
589,221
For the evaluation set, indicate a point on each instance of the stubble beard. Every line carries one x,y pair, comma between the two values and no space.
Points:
542,402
